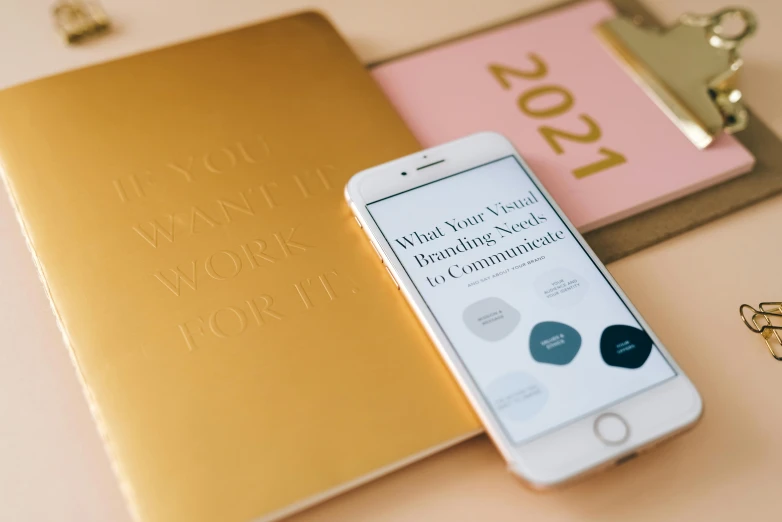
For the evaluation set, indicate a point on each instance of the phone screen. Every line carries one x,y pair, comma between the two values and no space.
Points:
540,330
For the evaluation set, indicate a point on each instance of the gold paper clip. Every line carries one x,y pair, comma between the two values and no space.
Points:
689,69
770,316
77,19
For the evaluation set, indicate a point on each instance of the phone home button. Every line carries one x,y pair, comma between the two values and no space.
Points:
611,429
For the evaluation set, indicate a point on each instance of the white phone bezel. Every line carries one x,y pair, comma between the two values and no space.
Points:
574,449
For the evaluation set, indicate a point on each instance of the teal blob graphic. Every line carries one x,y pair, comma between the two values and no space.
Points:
554,343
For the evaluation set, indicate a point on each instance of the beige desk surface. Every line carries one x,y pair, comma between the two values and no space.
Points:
52,466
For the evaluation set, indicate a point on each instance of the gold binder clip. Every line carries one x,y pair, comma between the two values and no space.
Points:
77,19
770,317
689,69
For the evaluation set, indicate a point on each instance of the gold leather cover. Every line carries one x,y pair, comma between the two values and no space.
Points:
243,350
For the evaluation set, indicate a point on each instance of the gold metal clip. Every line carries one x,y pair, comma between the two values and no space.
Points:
689,69
77,19
770,317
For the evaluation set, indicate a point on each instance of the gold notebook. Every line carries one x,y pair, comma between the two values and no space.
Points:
243,350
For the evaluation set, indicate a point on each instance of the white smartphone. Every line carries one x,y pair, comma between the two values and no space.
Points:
558,364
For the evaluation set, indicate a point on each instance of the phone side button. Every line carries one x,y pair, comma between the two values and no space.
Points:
359,222
391,275
377,250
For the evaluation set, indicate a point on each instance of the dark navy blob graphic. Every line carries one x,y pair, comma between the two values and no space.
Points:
624,346
554,343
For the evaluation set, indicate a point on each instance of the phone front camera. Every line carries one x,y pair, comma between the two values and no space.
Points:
404,173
